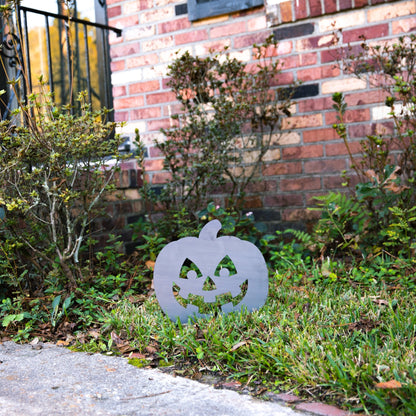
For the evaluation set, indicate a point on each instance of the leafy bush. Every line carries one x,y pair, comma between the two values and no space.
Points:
379,215
341,223
216,145
55,172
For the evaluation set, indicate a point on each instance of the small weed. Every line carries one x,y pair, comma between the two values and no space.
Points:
139,362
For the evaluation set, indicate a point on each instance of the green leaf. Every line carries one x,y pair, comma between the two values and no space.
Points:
12,318
55,303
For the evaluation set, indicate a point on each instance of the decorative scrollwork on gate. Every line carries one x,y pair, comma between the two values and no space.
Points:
10,49
12,58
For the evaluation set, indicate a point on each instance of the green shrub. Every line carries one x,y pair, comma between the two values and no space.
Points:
55,172
378,216
216,145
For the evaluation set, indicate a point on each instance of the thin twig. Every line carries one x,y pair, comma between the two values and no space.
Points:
146,396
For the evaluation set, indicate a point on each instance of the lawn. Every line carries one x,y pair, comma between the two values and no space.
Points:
341,334
322,335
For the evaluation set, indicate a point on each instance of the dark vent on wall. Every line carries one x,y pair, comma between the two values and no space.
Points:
181,9
294,31
303,91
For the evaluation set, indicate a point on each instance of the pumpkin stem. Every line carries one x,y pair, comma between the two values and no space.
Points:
210,230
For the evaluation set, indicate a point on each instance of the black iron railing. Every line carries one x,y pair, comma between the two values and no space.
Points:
77,59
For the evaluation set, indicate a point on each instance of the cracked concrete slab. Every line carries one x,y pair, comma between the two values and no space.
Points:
53,380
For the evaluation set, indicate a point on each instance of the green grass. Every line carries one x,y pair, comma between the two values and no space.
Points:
330,342
328,332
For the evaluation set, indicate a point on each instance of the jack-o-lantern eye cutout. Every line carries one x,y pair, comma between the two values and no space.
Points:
226,267
199,276
189,270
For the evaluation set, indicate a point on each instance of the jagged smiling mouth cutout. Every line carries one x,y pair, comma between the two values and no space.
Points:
224,288
210,298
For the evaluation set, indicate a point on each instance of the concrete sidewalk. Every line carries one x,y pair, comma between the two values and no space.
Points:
55,381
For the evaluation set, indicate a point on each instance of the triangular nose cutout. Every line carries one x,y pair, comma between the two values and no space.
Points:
209,284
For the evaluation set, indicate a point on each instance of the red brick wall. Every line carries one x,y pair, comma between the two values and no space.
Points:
310,157
122,207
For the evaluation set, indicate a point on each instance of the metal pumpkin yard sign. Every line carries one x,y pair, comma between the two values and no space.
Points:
194,272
